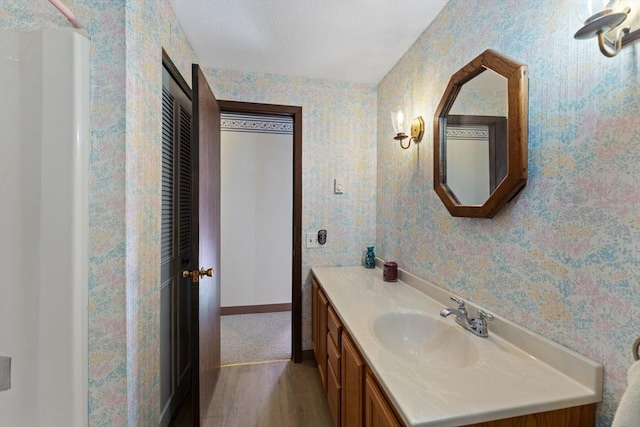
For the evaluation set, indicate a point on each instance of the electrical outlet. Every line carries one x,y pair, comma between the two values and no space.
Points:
312,240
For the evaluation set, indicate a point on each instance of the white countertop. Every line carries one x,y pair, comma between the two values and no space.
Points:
526,374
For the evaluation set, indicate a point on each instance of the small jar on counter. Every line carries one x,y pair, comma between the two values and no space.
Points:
390,272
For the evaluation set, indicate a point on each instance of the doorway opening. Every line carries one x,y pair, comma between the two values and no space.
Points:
261,205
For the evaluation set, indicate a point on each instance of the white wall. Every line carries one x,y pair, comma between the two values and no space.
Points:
256,216
468,170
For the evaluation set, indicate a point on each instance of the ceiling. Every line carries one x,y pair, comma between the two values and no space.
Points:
347,40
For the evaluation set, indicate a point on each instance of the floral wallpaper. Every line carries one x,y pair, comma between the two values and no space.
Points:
150,27
338,141
563,258
127,38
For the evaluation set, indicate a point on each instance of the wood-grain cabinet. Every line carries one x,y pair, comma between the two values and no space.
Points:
319,307
378,411
356,399
353,395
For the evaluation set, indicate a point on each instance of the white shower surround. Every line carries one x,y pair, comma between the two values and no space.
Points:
44,146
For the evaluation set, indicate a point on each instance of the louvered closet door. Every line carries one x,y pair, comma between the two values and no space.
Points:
175,295
183,303
167,282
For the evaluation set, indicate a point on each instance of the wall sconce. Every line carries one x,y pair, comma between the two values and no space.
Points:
605,19
400,124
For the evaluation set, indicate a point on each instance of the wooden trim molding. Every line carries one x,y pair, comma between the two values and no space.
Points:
175,73
248,309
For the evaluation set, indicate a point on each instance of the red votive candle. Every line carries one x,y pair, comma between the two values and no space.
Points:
390,272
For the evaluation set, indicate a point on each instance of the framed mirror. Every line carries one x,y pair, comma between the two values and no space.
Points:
480,136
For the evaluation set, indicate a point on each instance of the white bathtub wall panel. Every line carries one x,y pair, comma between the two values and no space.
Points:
45,137
64,223
13,296
17,208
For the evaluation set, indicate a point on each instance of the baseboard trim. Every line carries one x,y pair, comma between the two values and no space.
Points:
230,365
308,355
247,309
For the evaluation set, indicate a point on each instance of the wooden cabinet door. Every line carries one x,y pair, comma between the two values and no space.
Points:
378,412
321,356
353,374
333,396
314,317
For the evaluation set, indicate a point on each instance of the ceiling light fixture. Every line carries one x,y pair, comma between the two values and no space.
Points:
400,124
607,24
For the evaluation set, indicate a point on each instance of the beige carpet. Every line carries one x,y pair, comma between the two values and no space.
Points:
260,337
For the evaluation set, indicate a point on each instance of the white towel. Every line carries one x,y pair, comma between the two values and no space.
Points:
628,413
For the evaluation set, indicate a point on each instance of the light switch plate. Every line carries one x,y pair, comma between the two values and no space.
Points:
5,373
312,240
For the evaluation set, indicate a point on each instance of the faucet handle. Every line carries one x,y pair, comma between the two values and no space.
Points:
458,301
483,315
479,324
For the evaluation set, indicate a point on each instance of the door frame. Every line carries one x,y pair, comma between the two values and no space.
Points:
296,249
175,73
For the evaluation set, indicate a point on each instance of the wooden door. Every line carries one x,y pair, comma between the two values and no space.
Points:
205,289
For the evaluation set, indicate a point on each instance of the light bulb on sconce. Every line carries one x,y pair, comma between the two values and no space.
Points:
615,23
400,125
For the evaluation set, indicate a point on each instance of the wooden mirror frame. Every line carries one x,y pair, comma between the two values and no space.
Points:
517,132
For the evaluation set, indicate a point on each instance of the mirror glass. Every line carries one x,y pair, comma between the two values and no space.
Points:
480,136
475,139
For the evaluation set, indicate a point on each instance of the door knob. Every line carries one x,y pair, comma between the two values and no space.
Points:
197,274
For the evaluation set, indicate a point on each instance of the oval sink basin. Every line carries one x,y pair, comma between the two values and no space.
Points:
424,340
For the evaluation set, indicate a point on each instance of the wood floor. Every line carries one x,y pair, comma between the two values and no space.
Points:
276,394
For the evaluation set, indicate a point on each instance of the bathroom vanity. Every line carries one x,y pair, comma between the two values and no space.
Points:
387,358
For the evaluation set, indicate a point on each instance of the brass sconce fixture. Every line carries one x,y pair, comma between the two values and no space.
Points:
615,23
400,122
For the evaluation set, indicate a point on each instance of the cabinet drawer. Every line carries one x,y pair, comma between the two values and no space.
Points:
333,355
335,327
333,395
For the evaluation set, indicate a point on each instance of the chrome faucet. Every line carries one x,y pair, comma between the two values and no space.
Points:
477,326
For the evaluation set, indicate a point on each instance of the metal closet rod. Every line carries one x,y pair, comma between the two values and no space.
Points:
66,12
